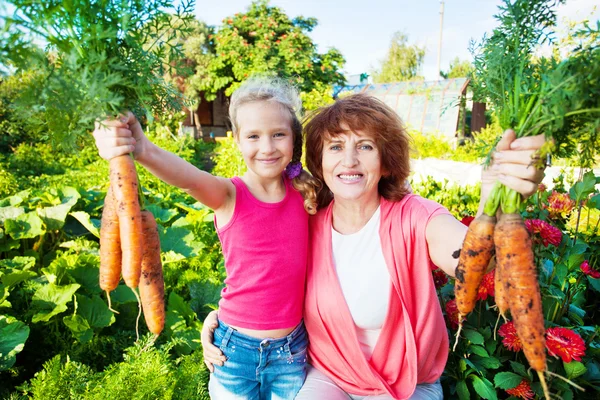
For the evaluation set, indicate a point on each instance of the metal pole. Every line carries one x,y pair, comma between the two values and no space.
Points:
439,55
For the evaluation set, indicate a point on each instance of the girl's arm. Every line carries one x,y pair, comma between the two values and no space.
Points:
512,166
118,137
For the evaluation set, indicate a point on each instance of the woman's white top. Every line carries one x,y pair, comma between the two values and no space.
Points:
365,280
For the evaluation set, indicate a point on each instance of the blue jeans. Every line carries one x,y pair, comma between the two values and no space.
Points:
265,369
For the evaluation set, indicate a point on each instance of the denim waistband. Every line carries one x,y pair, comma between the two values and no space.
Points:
232,335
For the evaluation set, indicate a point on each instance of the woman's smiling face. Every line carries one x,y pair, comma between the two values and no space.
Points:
352,165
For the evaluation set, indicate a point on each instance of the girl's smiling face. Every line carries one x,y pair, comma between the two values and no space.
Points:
265,138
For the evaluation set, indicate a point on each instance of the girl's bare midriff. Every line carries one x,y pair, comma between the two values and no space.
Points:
260,334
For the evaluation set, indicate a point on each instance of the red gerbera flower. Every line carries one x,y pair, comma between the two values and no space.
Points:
452,313
564,343
542,187
559,204
549,234
511,341
522,390
486,288
439,278
467,220
589,271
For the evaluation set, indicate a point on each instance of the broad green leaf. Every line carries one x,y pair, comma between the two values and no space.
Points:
584,188
473,336
18,262
91,224
56,272
10,213
170,256
50,300
574,369
9,244
462,390
95,311
519,368
179,305
203,295
487,362
593,202
15,277
479,350
25,226
79,327
87,274
13,335
594,284
179,240
54,217
16,199
484,388
162,215
122,294
507,380
593,371
69,195
575,261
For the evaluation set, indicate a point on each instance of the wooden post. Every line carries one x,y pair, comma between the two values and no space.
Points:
478,117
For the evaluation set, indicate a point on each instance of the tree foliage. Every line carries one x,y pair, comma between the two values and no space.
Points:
264,40
402,62
458,69
100,58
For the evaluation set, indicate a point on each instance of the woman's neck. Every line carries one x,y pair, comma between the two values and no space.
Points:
350,216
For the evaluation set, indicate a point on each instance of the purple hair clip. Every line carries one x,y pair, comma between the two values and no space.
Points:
293,169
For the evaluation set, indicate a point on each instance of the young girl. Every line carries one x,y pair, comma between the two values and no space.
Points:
262,221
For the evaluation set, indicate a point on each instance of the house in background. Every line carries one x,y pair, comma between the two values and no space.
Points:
210,120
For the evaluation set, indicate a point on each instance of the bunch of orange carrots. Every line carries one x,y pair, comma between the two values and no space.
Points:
517,287
130,245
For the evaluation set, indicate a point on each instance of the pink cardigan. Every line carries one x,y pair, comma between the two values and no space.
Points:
413,345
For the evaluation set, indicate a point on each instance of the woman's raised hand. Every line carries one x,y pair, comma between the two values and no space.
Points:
116,137
513,164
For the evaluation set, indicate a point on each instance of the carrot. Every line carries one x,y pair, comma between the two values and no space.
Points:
500,294
124,183
110,246
475,256
152,287
516,262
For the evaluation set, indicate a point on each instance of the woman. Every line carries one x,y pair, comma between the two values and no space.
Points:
375,326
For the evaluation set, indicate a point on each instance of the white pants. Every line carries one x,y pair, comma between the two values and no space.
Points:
319,387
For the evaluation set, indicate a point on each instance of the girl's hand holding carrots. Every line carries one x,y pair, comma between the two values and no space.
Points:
120,136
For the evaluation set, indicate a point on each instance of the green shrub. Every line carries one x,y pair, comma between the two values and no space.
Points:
228,159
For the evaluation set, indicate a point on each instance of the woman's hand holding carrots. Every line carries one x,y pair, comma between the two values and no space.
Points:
512,165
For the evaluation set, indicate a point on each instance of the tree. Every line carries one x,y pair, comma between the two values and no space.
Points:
264,40
402,62
458,69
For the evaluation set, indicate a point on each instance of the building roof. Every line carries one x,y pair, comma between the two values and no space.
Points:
427,106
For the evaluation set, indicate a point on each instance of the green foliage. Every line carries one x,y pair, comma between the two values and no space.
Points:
101,58
264,40
13,335
228,159
460,201
402,63
458,69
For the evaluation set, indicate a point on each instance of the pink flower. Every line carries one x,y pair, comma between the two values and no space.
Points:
564,343
589,271
559,204
549,234
542,187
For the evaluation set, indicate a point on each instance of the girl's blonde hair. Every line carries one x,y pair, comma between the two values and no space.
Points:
281,92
